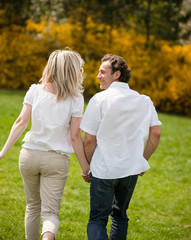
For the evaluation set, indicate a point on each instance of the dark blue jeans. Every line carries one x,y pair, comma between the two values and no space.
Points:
110,197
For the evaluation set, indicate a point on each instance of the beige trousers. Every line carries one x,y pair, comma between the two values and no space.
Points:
44,176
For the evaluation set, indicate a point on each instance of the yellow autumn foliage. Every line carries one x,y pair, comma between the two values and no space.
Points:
21,59
162,71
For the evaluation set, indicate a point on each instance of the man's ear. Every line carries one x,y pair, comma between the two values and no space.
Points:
117,74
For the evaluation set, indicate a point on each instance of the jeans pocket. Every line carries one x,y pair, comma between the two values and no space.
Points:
105,185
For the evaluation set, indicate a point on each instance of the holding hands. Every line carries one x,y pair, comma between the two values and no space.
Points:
86,176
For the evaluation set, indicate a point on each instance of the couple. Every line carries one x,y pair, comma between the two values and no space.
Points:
117,123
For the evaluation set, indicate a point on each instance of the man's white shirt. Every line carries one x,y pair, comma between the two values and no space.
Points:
120,119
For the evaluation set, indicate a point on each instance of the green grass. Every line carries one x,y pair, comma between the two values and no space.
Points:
161,205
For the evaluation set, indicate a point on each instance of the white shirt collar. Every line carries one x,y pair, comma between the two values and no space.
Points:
119,84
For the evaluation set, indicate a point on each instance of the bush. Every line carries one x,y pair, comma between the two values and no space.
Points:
160,70
22,59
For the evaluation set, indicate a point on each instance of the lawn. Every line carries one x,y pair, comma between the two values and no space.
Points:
161,205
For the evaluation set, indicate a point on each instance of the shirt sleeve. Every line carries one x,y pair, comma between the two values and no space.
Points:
29,97
92,118
154,117
78,106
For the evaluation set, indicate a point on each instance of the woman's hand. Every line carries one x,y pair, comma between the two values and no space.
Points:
1,155
17,129
86,176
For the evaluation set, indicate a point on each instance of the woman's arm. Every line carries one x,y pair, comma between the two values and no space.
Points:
18,128
77,144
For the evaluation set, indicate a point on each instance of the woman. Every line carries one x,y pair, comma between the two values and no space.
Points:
56,107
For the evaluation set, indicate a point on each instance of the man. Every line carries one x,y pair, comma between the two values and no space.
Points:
117,122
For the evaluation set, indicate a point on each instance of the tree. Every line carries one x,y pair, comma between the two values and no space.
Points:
162,19
14,12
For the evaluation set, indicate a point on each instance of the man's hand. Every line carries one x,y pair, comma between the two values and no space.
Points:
141,174
86,177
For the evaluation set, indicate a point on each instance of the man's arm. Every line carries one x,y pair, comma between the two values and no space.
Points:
152,142
90,143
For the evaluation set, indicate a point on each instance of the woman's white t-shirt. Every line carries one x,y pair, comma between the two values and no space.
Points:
50,126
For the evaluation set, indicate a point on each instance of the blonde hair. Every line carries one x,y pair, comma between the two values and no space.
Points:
65,71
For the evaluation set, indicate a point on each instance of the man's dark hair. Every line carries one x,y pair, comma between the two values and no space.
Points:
118,64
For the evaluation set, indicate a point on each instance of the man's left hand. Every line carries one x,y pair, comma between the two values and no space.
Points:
86,177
